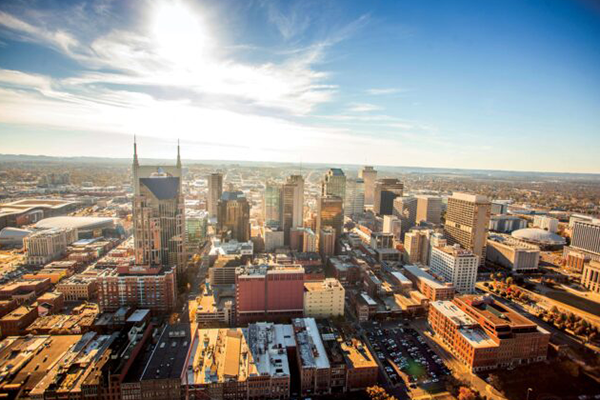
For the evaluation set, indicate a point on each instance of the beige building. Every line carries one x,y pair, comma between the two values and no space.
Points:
591,276
512,253
324,298
429,209
48,245
467,220
369,175
416,247
78,288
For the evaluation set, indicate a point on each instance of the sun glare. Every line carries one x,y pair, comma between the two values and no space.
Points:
180,35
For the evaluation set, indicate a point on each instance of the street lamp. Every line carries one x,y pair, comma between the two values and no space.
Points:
529,390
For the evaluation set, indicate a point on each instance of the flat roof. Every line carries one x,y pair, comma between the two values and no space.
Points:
169,355
310,346
453,313
399,276
75,222
423,275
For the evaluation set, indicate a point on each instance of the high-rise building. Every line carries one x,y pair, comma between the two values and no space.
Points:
386,190
416,246
429,209
546,223
467,220
268,293
393,225
234,216
303,239
334,183
215,190
272,204
330,212
455,265
355,197
326,242
44,246
405,208
368,175
292,205
586,237
159,214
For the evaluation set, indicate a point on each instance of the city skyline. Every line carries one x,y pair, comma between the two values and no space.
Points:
498,86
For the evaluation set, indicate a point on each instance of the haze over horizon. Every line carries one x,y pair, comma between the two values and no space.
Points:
501,85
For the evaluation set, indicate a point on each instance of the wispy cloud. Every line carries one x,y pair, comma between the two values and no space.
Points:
384,91
363,107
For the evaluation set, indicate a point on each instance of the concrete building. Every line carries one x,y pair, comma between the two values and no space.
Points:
513,254
273,239
590,278
386,190
503,223
313,364
327,242
355,197
303,240
78,288
500,207
159,214
484,334
268,293
467,220
429,209
455,265
215,190
369,175
380,240
44,246
324,299
405,209
393,225
546,223
432,288
416,246
153,287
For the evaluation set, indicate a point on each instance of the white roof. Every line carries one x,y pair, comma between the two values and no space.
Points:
75,222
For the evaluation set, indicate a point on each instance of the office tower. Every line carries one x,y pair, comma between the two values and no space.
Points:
272,204
393,225
324,298
386,190
586,237
330,213
455,265
368,175
268,293
355,197
429,209
326,242
233,216
416,246
405,208
215,190
292,205
334,183
467,220
158,214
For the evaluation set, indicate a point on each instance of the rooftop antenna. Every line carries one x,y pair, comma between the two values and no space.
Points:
135,157
178,155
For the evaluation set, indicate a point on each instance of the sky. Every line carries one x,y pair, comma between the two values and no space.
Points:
497,84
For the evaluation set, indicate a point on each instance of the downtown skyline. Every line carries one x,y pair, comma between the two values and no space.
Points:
500,85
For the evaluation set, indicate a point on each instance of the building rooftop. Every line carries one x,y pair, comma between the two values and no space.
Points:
75,222
452,312
473,198
539,236
268,344
494,312
310,346
425,276
169,355
317,286
401,278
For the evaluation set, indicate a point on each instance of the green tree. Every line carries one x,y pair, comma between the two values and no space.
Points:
379,393
464,393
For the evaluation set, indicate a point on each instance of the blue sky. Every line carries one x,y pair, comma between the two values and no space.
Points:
465,84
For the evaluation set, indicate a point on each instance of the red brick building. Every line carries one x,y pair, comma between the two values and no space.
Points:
15,322
269,293
485,334
151,287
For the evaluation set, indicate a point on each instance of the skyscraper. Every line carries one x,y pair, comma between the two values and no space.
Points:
215,190
467,220
334,183
429,209
386,190
233,217
272,204
330,213
158,214
292,205
368,175
355,197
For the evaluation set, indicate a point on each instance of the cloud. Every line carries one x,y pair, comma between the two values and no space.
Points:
384,91
363,107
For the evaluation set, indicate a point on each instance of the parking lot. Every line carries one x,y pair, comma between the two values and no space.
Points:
406,358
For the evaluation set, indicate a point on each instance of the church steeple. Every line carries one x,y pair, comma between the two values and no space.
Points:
178,155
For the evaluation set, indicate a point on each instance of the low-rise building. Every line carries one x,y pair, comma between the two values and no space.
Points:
510,253
78,288
433,289
15,322
313,364
590,278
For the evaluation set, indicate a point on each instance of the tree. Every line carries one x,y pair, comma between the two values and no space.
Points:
464,393
379,393
509,281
